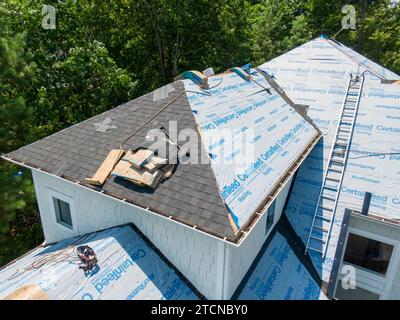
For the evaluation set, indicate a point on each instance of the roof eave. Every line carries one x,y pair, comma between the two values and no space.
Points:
220,237
242,233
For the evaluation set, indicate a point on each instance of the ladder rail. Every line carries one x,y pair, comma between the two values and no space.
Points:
359,83
346,157
327,167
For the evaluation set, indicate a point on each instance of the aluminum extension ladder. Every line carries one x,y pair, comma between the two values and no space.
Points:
324,213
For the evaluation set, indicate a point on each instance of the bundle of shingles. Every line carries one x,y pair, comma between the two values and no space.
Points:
143,168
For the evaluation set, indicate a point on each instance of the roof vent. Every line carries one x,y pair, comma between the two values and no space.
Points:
366,203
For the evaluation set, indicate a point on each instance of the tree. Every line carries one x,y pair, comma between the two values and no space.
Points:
277,27
382,29
17,201
83,82
103,53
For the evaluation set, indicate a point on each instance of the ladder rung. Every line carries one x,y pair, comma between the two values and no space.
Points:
318,239
339,152
332,179
328,198
325,208
335,170
315,249
341,144
337,161
323,218
330,188
321,228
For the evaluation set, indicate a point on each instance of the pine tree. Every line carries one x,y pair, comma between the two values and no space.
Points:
18,214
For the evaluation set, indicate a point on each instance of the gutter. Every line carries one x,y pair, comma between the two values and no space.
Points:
77,183
240,235
255,217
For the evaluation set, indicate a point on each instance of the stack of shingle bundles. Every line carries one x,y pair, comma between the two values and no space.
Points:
143,168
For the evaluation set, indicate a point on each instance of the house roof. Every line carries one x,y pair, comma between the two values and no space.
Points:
76,152
253,137
279,272
316,74
129,267
194,193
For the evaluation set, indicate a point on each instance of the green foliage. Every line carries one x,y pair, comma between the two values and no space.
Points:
277,26
83,83
17,201
16,72
103,53
382,30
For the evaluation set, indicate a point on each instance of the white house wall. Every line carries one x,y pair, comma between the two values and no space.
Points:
376,230
241,258
193,253
203,260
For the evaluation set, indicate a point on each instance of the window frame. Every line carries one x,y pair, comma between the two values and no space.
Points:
375,237
368,279
57,195
383,275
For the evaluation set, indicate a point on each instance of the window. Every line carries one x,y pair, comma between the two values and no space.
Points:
63,212
368,253
270,217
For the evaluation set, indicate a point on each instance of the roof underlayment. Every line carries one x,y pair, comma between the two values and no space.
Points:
280,275
189,196
128,268
236,119
252,137
316,74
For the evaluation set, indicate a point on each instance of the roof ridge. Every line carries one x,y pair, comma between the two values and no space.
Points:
124,118
354,59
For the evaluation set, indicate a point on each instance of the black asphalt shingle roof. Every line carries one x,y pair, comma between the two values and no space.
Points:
191,194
